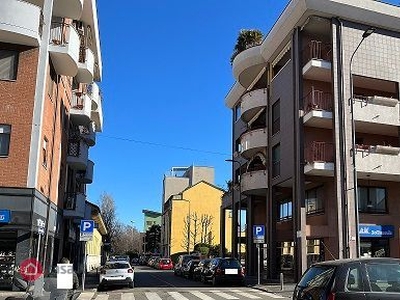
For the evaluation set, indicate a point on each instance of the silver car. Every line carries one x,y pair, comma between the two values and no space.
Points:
116,273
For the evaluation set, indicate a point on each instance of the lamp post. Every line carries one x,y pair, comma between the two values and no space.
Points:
365,34
133,233
239,218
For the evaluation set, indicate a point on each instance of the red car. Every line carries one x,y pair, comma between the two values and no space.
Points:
165,264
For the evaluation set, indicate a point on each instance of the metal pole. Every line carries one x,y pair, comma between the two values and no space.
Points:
258,263
84,267
38,247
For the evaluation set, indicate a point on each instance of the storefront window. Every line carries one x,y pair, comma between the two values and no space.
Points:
374,247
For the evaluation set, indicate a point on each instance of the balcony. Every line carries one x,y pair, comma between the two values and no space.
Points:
97,109
85,66
376,114
255,183
64,48
74,205
86,176
253,142
319,158
378,162
253,102
81,108
318,109
71,9
77,156
247,65
88,134
317,58
20,23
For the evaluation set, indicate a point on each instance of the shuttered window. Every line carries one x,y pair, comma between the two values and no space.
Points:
8,64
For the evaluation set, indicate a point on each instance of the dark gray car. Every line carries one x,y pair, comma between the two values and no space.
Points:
361,279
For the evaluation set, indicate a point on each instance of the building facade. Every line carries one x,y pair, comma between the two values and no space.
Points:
316,135
191,217
50,112
151,218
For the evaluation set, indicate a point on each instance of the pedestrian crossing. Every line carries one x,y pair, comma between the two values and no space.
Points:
180,295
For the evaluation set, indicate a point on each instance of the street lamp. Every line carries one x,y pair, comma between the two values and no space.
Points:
238,218
365,34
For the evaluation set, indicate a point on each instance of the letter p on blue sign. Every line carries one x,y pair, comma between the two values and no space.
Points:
87,226
258,233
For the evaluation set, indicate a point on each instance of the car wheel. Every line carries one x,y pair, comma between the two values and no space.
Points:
100,288
131,284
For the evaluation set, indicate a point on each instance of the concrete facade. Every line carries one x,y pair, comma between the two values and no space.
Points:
331,152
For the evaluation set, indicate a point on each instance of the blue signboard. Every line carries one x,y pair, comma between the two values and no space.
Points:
5,216
258,233
87,226
375,231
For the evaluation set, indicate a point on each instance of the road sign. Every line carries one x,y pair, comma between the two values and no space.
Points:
5,216
87,226
40,224
259,234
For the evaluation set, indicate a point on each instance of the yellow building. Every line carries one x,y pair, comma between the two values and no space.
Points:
192,217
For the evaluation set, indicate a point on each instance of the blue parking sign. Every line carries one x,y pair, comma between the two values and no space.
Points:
87,226
259,233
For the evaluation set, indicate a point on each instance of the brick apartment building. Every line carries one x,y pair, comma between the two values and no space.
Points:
316,135
50,112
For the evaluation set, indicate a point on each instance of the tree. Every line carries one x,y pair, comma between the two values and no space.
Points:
153,239
194,228
247,38
109,215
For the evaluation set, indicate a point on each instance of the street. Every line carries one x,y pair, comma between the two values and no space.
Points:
151,284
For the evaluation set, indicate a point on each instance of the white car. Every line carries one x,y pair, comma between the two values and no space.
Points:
116,273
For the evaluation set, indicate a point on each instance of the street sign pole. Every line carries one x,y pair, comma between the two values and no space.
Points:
259,262
84,267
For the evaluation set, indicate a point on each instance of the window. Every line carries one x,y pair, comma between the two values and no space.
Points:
276,160
354,279
285,210
44,152
8,64
5,131
237,112
372,200
276,116
314,200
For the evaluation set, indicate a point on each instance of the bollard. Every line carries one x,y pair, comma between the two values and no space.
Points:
281,281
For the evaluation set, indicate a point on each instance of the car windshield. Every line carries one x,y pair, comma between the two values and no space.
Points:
317,276
230,263
117,265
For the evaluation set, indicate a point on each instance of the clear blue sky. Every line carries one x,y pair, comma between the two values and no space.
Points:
166,73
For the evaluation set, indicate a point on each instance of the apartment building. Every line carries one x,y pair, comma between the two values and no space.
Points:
50,113
191,208
316,135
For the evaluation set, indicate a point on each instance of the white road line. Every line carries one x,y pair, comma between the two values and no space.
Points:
224,295
102,296
177,296
201,295
152,296
247,295
127,296
271,295
86,296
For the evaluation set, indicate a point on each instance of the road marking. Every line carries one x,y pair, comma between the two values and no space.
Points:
102,297
271,295
177,296
152,296
224,295
127,296
201,295
247,295
86,296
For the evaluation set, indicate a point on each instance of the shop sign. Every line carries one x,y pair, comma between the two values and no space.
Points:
375,231
5,216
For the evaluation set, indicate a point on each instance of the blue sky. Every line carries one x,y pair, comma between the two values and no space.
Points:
166,73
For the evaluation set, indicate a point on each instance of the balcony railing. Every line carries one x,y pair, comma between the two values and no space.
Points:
60,33
317,100
317,50
319,152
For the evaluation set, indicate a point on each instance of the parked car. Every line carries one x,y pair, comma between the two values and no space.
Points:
224,270
165,264
361,279
187,271
116,273
183,259
203,264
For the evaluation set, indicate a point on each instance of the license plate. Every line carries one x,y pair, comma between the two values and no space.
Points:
231,271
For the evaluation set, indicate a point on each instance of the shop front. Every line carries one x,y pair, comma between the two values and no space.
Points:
375,239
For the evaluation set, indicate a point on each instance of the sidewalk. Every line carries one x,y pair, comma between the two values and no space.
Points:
272,287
